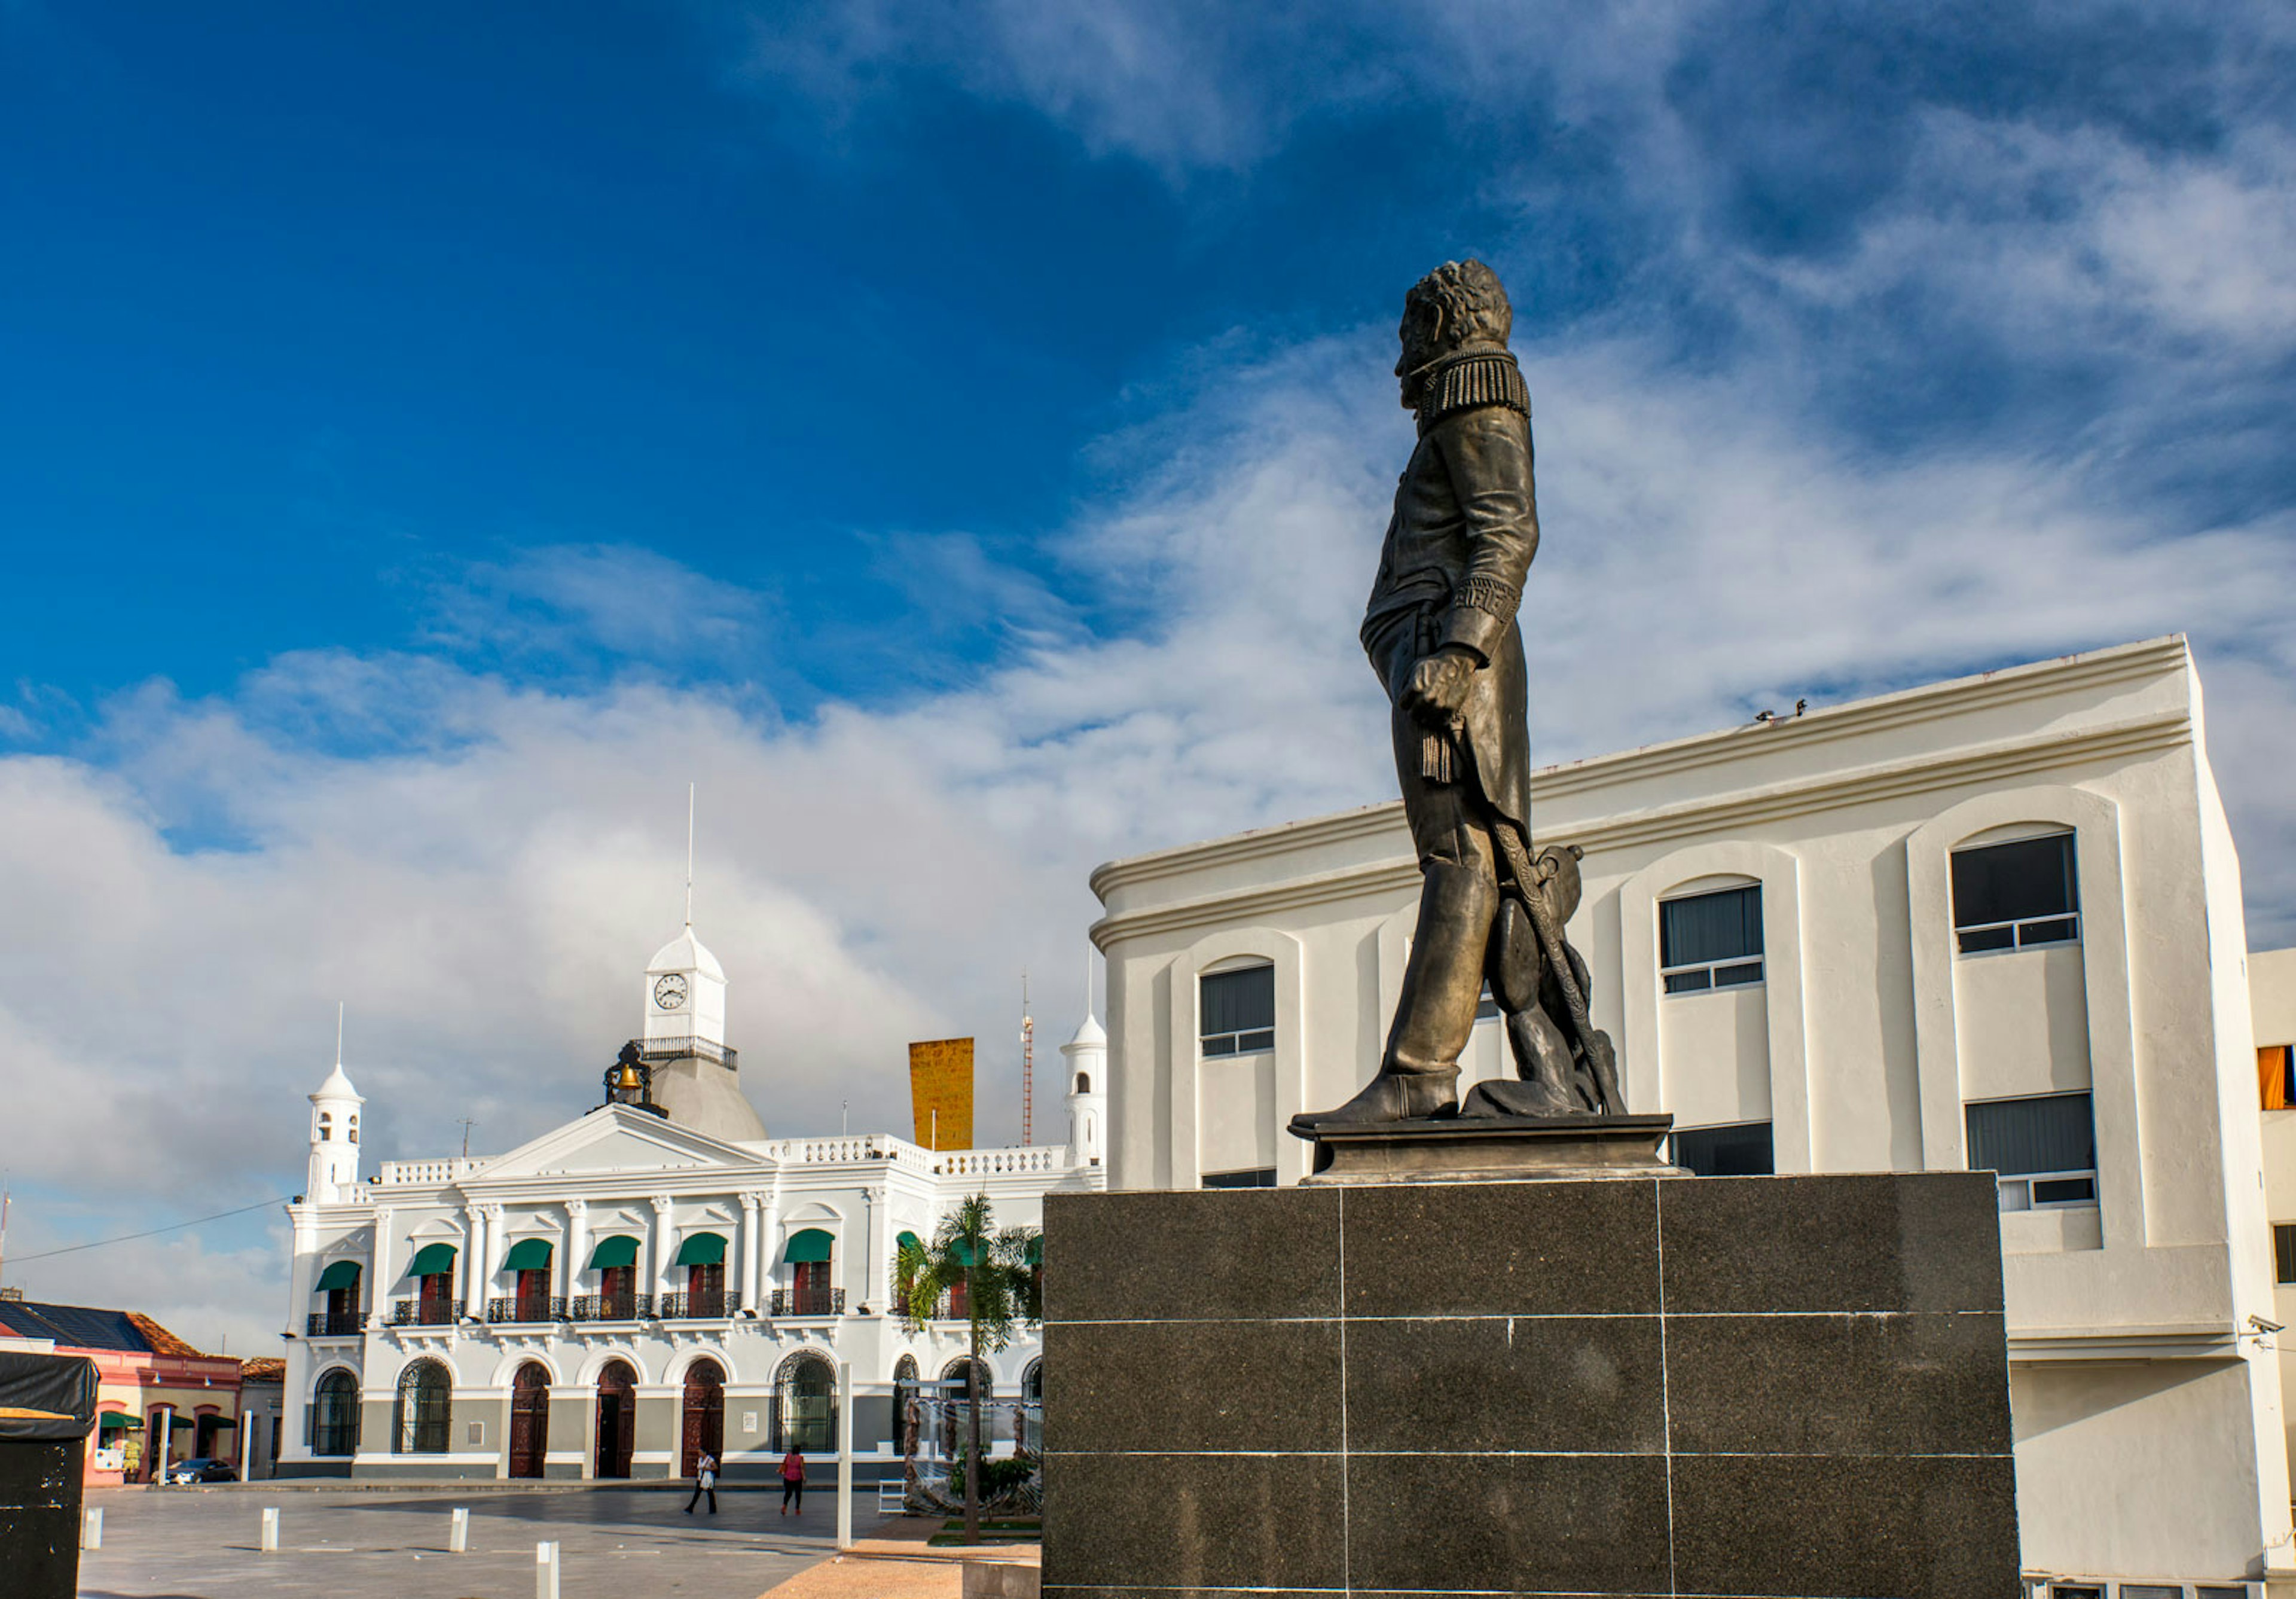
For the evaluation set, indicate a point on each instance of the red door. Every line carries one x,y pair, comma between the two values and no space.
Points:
705,1290
529,1420
705,1415
810,1278
617,1419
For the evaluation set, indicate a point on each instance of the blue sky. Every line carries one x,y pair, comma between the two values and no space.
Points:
956,436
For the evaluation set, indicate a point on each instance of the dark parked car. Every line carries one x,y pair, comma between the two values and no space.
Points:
203,1469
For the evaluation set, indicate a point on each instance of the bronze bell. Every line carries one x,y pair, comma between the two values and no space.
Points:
627,1078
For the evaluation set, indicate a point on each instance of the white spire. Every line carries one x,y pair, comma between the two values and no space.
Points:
334,1131
1087,1095
338,1086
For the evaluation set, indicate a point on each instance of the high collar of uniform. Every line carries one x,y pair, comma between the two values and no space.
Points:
1462,382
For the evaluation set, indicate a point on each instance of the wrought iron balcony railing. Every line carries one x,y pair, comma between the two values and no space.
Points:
335,1324
514,1308
808,1301
415,1313
612,1308
699,1305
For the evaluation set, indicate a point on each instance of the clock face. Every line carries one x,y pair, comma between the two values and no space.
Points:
670,992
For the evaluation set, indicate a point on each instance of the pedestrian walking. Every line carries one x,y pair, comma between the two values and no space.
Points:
793,1482
705,1481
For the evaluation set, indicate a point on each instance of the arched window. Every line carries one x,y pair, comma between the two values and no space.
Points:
1238,1009
326,1128
1032,1382
354,1127
425,1395
335,1415
1084,1082
964,1371
805,1404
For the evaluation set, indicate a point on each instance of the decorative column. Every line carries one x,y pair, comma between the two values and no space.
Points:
578,1248
752,1204
873,1263
495,1233
386,1244
663,1207
474,1269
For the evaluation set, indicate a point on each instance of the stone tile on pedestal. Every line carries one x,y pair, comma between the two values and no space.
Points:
1479,1385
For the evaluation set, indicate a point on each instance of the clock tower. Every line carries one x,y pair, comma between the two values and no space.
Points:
685,999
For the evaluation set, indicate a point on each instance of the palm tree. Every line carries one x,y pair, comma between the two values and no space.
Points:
998,1273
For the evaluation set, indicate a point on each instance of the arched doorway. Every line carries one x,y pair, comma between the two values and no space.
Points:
335,1415
904,1404
964,1371
618,1418
805,1404
425,1396
529,1419
704,1415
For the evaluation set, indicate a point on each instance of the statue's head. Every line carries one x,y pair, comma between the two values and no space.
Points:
1458,305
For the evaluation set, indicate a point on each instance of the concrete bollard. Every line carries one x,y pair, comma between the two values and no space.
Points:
271,1530
545,1571
458,1535
91,1530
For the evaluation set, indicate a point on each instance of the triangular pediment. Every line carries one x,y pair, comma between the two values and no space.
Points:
611,1139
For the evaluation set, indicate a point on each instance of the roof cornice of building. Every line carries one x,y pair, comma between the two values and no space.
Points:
1929,702
2001,759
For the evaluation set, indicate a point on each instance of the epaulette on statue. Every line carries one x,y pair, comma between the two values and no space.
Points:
1469,382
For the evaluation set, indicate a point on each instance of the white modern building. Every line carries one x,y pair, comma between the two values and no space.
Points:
653,1278
1992,923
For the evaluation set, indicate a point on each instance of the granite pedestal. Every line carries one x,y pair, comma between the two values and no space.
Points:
1788,1387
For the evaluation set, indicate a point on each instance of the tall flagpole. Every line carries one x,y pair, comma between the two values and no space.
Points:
689,854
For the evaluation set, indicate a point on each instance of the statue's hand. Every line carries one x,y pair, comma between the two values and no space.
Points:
1439,688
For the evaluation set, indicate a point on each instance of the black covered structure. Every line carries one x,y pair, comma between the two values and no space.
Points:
47,1407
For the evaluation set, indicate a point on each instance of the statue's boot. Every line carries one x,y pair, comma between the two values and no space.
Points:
1435,1016
1390,1096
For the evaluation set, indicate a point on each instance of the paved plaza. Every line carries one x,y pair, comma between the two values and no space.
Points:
340,1544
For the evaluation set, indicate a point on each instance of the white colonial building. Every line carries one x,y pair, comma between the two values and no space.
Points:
1993,924
654,1278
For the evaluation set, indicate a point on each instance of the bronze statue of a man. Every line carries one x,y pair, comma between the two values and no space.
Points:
1441,632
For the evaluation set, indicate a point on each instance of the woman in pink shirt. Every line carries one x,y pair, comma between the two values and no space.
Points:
792,1481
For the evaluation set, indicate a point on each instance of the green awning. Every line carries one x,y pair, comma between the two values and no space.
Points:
528,1254
812,1244
343,1274
1036,1249
702,1249
430,1259
111,1421
909,1240
963,1249
620,1250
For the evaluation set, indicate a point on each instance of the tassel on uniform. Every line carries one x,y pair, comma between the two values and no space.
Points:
1436,762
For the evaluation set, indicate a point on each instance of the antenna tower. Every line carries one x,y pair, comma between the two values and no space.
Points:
1028,1067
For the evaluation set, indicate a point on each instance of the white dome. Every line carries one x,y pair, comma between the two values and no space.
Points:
337,1087
1090,1036
687,953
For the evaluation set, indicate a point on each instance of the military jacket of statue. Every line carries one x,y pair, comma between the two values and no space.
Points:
1451,573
